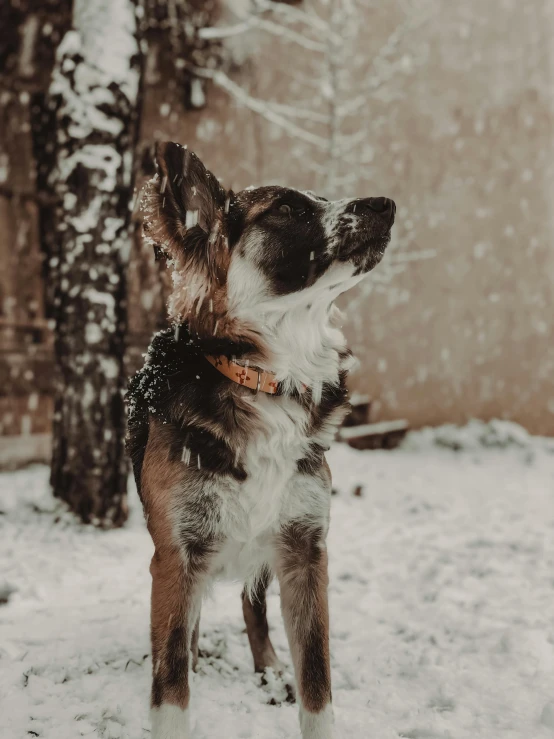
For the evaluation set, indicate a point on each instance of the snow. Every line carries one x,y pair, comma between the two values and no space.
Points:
108,43
92,90
441,596
93,333
197,96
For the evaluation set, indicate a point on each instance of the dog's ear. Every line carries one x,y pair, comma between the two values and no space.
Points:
185,216
190,195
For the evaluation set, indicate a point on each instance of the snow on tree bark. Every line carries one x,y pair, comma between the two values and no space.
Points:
94,93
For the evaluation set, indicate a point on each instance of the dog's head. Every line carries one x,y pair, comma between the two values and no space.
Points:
259,249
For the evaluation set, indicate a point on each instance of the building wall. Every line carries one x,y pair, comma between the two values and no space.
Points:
468,154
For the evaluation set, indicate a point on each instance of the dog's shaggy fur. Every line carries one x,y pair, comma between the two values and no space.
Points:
233,482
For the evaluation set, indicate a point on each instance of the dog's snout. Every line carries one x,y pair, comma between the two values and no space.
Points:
382,206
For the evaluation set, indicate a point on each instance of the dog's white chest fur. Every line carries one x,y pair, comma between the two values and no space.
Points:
253,511
278,440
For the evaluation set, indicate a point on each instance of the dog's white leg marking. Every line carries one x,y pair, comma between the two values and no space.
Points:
171,722
317,725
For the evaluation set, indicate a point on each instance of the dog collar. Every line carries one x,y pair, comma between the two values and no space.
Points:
242,374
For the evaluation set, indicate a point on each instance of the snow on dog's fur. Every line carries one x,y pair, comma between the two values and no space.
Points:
234,482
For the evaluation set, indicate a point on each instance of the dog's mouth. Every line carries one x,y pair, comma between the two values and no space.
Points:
370,254
366,254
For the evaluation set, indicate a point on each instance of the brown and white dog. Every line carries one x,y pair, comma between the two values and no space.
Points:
232,413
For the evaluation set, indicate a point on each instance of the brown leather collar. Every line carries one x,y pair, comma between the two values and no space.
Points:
254,378
244,375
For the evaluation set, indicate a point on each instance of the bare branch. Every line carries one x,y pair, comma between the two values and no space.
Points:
352,106
296,15
260,106
290,35
304,113
381,70
268,26
346,144
222,32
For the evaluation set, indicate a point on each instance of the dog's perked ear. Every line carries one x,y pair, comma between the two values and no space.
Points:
186,217
185,212
190,194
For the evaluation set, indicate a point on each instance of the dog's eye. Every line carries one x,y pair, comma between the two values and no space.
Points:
288,207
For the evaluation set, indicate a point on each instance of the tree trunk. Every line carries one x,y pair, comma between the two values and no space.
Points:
95,93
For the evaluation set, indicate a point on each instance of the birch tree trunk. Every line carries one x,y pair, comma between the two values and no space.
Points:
95,95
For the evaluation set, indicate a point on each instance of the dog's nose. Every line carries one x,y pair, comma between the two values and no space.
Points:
383,206
380,205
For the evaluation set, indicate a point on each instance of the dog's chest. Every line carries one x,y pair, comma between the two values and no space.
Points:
276,441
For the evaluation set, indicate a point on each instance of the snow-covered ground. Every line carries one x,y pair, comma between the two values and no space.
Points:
442,605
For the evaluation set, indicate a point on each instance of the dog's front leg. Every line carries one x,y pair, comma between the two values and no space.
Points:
303,579
176,598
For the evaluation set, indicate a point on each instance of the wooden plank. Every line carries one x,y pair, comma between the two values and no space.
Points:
372,429
382,435
361,409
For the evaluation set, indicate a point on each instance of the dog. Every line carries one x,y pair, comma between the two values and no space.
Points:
231,415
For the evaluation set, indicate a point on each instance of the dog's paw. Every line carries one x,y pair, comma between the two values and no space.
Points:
279,686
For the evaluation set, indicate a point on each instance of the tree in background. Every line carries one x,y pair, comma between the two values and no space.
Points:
94,93
95,97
